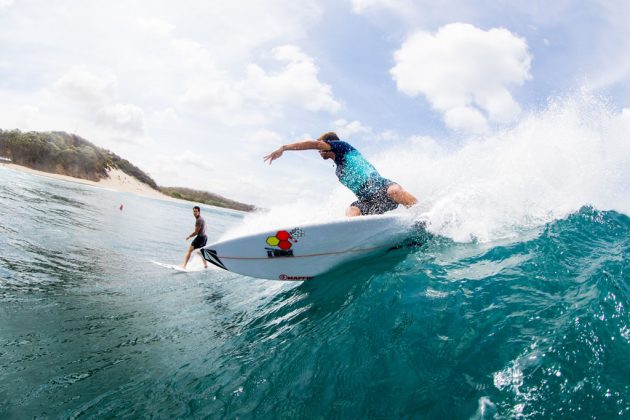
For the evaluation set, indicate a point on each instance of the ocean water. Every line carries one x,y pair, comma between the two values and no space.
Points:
516,307
535,325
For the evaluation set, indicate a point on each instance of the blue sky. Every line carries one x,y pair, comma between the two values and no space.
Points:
195,93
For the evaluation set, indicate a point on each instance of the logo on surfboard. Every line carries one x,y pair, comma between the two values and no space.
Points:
294,278
282,242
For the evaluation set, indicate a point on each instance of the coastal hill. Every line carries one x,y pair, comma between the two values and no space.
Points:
68,154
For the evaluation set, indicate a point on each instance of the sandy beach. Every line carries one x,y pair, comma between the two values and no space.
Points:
118,181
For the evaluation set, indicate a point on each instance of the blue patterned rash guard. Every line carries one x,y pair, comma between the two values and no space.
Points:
355,172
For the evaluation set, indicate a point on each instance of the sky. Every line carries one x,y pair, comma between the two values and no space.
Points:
196,93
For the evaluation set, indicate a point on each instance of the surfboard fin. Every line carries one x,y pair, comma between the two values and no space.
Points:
210,255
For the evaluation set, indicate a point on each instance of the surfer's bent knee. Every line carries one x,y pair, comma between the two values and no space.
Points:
353,211
393,190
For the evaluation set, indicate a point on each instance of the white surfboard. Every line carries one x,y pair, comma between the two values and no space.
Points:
304,251
174,267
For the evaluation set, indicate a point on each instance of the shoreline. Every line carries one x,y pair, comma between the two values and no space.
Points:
117,181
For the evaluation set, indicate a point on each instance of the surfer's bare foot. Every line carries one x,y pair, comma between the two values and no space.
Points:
400,196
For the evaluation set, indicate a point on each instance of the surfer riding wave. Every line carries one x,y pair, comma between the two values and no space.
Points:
200,237
376,194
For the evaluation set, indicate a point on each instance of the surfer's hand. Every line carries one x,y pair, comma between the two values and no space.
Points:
274,155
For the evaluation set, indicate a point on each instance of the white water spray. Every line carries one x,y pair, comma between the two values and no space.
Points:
575,152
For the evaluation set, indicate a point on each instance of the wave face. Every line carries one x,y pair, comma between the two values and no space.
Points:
532,324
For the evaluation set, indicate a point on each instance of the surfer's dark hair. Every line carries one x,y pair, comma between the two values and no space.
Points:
197,208
330,136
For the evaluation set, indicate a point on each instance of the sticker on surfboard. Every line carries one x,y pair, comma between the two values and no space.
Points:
280,244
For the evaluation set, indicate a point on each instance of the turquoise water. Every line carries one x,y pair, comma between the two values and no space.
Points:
534,326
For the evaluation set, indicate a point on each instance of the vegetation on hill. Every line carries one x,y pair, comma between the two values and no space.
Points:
68,154
205,198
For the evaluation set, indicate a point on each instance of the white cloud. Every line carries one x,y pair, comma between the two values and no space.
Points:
426,145
465,73
194,56
194,159
465,118
609,62
295,85
268,137
27,115
156,26
84,86
185,169
261,95
123,118
346,130
388,135
212,96
5,4
167,115
398,7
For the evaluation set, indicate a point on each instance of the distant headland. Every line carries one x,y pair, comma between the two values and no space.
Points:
69,155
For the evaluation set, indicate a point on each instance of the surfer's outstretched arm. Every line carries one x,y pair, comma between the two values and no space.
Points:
301,145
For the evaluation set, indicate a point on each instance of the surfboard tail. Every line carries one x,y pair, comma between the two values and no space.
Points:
210,255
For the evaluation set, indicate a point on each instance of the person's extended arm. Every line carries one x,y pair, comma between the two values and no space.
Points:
301,145
197,229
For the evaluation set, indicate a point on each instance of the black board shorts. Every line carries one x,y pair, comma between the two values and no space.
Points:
377,202
199,241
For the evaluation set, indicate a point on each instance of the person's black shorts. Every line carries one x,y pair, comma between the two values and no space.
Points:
376,201
199,242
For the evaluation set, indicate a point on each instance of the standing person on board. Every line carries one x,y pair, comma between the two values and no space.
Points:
376,195
201,238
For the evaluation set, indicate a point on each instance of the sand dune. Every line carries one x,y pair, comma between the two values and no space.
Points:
118,181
